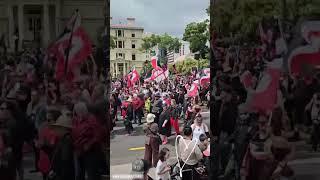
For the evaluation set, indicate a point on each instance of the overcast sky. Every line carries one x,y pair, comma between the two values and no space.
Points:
160,16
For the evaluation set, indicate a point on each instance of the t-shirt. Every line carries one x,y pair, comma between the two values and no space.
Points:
198,130
160,167
189,147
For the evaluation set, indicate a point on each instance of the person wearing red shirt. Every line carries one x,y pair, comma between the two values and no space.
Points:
88,136
138,105
48,138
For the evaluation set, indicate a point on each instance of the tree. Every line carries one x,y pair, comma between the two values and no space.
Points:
150,42
241,17
164,42
197,35
185,67
112,42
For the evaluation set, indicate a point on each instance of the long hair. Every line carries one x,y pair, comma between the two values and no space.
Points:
163,154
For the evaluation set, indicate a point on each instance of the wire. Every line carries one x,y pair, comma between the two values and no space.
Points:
177,155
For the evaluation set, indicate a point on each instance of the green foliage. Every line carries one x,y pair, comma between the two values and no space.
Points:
164,41
147,68
197,35
150,42
112,42
185,67
241,17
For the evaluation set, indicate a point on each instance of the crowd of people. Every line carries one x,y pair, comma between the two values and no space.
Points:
166,107
260,142
60,124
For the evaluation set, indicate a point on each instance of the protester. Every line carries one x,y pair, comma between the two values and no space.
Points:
163,169
164,124
7,156
129,116
190,155
199,128
47,141
157,106
63,157
174,116
153,140
87,136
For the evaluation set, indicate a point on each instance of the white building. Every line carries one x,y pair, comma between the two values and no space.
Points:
184,51
38,22
127,52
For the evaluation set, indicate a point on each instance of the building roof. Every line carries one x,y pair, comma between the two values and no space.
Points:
125,26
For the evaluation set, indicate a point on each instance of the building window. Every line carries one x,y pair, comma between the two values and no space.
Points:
133,35
120,55
133,57
133,45
120,33
120,44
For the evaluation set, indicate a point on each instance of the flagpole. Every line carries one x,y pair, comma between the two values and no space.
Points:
70,43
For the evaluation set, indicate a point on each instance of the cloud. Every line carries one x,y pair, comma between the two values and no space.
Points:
160,16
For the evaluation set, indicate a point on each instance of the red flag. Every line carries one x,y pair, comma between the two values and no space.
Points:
265,97
154,63
79,49
246,79
193,91
159,75
135,77
308,55
205,80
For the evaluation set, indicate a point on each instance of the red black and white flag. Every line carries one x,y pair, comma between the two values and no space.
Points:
71,49
306,56
265,97
194,89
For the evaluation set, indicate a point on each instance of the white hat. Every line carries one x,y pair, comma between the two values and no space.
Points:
63,121
150,118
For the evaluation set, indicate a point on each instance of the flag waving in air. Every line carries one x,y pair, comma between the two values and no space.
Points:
154,63
307,56
133,77
205,80
265,96
71,49
194,89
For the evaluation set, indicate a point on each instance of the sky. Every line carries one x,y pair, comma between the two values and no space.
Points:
160,16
